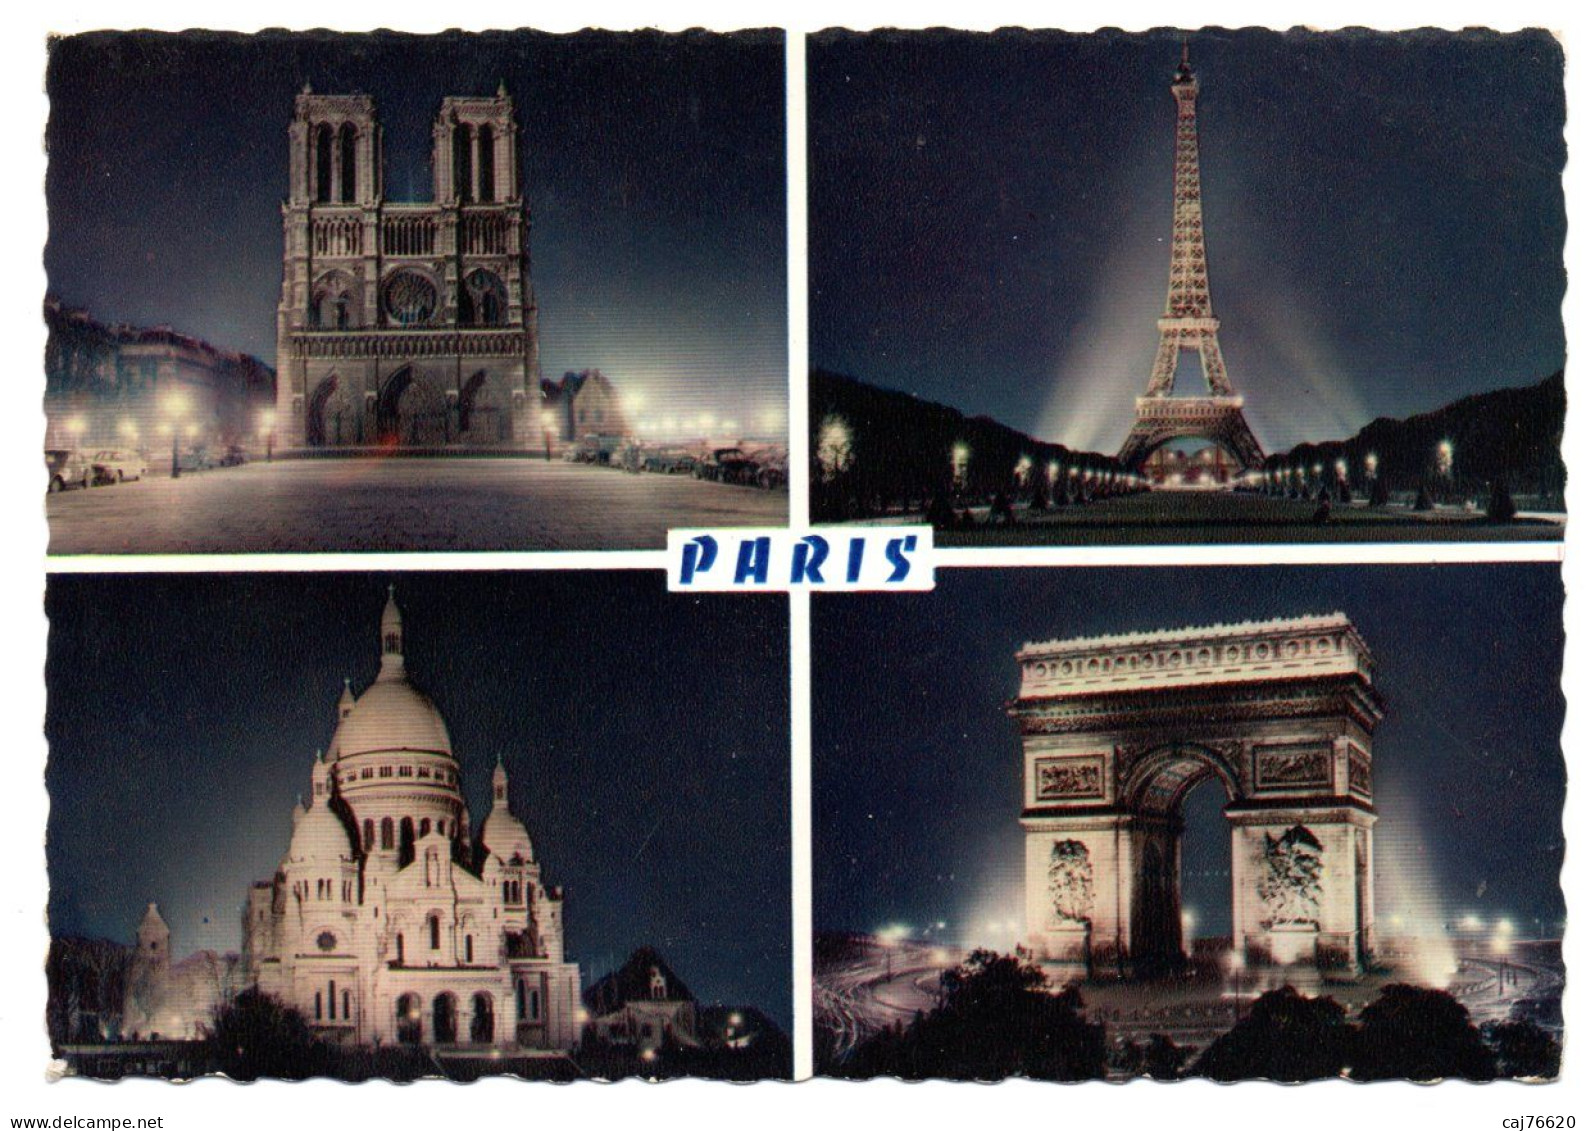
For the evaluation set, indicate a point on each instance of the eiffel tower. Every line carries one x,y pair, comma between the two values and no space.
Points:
1187,322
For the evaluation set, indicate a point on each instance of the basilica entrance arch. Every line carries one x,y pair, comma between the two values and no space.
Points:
1116,731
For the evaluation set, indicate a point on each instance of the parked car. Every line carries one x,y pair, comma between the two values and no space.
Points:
68,467
669,461
236,455
770,467
112,466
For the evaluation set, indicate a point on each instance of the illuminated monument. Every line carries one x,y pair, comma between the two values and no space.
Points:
1116,732
389,920
1187,323
406,324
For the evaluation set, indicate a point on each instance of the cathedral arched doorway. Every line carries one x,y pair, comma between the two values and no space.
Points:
411,411
333,418
445,1014
482,1025
409,1020
1119,731
480,419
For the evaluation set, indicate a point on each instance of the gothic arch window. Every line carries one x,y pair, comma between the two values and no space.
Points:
331,994
468,948
319,1006
424,827
349,163
387,834
487,164
401,948
368,834
435,932
462,162
520,991
482,299
410,299
336,304
322,147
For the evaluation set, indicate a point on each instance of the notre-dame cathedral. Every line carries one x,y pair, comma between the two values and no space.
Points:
406,325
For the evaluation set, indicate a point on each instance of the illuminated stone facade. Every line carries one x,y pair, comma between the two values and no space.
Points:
1117,730
388,921
406,325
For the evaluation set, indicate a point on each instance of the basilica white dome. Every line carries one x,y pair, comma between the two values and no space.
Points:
391,715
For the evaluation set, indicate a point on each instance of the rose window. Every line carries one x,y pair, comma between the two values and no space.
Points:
410,298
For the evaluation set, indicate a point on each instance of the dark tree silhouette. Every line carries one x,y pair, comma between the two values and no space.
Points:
997,1018
257,1035
1500,505
1414,1033
1286,1036
1522,1049
1423,498
1379,492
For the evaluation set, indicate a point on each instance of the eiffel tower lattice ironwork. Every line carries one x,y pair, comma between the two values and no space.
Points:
1187,322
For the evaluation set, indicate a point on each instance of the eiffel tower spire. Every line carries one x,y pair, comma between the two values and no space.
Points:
1187,321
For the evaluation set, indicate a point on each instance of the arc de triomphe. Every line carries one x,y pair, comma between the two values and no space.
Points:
1117,730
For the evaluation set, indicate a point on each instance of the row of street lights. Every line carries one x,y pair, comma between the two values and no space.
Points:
175,408
1303,478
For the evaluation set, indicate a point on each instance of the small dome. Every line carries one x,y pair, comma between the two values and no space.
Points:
504,835
320,837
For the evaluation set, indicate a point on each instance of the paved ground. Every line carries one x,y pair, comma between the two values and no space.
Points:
858,996
1189,517
315,506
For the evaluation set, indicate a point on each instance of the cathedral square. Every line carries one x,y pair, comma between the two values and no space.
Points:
459,276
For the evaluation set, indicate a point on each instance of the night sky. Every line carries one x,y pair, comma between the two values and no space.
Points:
654,168
645,735
917,768
990,220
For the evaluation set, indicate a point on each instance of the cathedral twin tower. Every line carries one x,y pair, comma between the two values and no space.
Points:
405,324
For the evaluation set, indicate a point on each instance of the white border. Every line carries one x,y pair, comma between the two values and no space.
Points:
211,1103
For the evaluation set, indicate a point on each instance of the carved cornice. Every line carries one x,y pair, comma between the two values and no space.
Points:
406,344
1186,709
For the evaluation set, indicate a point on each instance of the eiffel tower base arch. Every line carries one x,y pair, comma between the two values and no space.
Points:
1221,420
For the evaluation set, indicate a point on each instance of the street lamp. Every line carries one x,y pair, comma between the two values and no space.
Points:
834,450
960,464
547,424
1236,972
1371,465
1502,938
175,407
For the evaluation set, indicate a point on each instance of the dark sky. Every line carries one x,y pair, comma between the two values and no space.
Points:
917,768
654,168
646,736
990,219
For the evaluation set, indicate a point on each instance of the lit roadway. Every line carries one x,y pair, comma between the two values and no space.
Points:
395,504
860,996
1173,517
